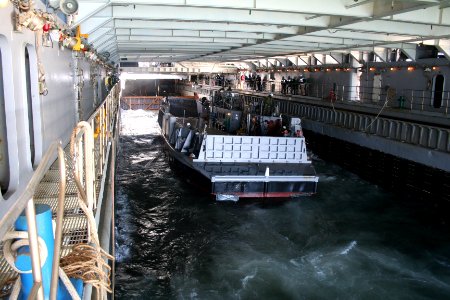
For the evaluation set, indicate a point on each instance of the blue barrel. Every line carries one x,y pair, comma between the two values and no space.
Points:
63,294
23,260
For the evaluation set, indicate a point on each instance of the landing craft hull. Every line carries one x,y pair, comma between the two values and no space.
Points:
231,187
224,182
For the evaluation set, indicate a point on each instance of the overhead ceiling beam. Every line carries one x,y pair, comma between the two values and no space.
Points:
250,7
101,32
442,45
435,15
399,28
193,33
236,29
203,25
181,40
209,14
354,35
91,30
381,52
353,23
93,9
109,44
103,39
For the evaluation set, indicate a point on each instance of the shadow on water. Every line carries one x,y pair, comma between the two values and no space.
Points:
350,241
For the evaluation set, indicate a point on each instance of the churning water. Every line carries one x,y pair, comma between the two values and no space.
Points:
352,240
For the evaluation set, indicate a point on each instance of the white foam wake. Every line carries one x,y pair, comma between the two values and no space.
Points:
349,248
139,122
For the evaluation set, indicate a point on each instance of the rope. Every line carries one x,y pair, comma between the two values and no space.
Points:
86,262
41,72
91,268
13,240
384,105
8,287
16,289
22,5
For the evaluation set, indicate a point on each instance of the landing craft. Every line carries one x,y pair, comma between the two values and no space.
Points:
236,162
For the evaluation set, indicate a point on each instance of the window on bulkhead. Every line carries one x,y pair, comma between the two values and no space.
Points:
4,157
29,104
438,89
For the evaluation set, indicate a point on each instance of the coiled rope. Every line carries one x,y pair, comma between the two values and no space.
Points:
87,264
13,240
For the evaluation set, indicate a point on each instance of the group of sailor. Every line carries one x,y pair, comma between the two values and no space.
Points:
255,82
273,127
294,86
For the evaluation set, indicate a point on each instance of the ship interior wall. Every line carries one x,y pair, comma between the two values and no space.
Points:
149,87
53,114
407,178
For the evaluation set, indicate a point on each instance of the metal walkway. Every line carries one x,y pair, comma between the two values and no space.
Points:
75,223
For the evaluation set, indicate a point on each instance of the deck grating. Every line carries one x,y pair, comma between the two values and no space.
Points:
74,225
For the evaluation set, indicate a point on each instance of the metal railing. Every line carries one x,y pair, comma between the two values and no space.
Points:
141,102
101,125
404,99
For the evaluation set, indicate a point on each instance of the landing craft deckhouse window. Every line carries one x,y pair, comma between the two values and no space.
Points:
438,89
4,157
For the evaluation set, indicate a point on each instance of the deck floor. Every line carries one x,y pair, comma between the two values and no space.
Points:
75,222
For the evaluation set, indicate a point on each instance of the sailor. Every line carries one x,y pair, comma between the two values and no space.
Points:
255,127
268,105
264,83
295,82
108,81
285,132
283,85
302,85
299,133
289,85
258,83
271,128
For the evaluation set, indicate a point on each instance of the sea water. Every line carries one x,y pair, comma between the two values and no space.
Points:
352,240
